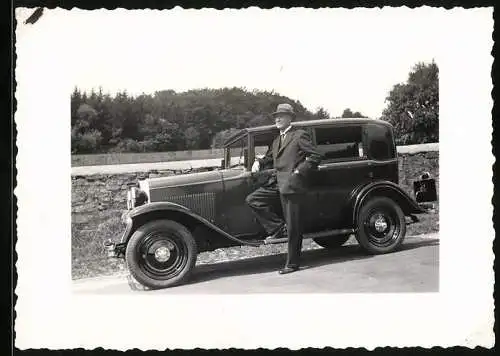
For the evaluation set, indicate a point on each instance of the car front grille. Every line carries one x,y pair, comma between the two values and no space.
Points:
202,204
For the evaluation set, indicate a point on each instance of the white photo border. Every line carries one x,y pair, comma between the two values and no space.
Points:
461,314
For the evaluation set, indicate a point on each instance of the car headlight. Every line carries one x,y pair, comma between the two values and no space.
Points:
135,197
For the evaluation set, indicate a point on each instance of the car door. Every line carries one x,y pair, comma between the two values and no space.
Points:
236,217
344,166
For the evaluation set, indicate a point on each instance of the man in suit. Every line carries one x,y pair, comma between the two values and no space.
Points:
294,157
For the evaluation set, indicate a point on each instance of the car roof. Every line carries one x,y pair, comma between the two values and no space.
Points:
305,123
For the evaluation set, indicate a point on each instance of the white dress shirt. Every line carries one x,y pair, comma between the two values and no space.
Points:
283,133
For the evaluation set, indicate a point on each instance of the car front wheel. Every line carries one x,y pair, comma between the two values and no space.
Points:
161,253
381,226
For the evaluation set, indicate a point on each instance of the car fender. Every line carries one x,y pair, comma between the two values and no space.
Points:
156,206
143,211
383,188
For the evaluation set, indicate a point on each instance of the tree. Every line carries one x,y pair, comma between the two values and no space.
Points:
76,101
222,136
260,120
321,114
192,136
85,117
413,107
347,113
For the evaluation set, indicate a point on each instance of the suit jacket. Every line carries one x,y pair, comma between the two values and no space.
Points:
296,153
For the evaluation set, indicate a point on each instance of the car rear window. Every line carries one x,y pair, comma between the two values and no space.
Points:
340,143
380,142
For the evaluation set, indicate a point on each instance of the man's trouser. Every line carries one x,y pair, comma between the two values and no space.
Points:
262,202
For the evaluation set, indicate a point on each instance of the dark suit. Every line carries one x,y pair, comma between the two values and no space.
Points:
295,153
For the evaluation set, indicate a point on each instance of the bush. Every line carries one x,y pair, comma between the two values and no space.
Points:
87,142
128,145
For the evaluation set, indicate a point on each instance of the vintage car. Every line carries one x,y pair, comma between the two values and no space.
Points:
353,191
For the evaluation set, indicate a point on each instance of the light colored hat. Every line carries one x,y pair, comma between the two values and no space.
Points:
284,109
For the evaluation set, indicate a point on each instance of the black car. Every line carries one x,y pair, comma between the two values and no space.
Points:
354,191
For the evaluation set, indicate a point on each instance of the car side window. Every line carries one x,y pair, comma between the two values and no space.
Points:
238,153
380,142
337,144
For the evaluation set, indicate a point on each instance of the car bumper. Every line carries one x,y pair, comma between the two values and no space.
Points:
114,250
427,207
117,249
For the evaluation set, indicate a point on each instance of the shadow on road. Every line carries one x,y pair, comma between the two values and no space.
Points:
310,259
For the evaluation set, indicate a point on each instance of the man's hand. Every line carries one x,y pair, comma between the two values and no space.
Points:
256,166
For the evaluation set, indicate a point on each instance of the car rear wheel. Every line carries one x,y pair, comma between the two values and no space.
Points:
161,253
381,226
332,241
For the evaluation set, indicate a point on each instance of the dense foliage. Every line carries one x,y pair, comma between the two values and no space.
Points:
169,121
413,107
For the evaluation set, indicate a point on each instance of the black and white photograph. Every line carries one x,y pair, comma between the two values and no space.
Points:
254,167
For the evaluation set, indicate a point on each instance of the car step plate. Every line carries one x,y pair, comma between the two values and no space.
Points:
313,235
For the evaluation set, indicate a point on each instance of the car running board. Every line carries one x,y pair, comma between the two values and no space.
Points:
313,235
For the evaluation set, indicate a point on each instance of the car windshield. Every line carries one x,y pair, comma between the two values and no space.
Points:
238,150
237,153
263,142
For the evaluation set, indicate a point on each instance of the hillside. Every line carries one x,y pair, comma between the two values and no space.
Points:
167,120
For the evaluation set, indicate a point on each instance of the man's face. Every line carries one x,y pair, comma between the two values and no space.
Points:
282,121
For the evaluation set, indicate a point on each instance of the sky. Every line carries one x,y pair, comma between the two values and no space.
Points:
330,58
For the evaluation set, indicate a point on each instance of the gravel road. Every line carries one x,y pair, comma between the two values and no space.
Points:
415,268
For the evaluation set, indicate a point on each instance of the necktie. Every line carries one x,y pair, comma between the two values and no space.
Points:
282,138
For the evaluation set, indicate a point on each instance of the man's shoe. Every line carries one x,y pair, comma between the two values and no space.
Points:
287,270
278,234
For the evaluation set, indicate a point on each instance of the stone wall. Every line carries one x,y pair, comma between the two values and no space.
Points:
411,166
99,200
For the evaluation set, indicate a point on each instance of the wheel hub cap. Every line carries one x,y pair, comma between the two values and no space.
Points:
380,224
162,254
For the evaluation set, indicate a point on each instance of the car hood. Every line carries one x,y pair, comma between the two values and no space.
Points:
182,179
